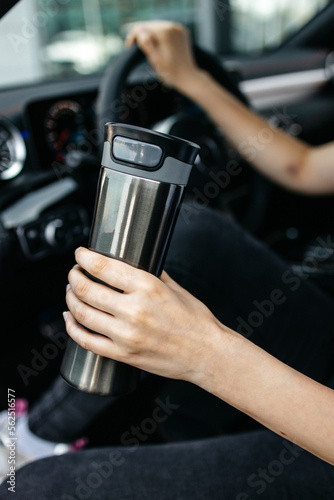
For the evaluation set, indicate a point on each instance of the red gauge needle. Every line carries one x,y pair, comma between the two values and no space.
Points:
63,138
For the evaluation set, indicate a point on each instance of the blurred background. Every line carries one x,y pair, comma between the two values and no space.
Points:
78,37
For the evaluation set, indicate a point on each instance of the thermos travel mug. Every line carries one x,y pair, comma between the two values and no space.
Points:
142,181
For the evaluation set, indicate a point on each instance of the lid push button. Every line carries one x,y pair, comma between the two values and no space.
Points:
137,152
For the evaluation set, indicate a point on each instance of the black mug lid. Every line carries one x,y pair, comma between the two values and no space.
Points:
170,146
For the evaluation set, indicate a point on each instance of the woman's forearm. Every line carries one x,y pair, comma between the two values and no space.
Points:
271,151
284,400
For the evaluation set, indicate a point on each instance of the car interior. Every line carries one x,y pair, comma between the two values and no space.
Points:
51,133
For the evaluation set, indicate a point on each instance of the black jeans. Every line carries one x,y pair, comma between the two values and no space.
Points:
254,465
253,291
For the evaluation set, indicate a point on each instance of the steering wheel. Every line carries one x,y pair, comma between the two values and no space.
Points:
195,127
110,105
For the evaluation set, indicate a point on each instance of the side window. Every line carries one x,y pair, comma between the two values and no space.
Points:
260,25
96,29
42,39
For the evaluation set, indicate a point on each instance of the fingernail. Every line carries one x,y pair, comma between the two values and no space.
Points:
65,315
68,287
77,250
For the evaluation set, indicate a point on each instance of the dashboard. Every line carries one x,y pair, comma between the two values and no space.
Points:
44,139
45,132
50,159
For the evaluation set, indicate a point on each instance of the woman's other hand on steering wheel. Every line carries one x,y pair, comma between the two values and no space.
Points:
167,47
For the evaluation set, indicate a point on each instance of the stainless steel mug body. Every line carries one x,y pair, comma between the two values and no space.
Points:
134,218
136,209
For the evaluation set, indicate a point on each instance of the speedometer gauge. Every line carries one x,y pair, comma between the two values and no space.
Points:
12,150
64,124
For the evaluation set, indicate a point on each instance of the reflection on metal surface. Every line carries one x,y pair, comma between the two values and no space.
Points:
95,374
134,219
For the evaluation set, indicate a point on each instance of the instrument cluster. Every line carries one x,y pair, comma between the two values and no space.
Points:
63,131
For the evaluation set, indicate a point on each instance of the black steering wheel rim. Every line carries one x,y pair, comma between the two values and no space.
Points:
110,107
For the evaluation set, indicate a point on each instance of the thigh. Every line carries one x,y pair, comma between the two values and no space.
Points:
254,291
239,467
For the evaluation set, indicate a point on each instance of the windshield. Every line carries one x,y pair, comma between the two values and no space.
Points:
48,39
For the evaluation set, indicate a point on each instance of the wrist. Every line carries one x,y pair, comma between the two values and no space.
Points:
192,83
215,358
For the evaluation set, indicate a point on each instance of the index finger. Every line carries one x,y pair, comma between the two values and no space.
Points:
113,272
132,37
